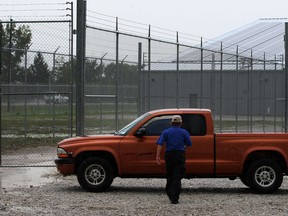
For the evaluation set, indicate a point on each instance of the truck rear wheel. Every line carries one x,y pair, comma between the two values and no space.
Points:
95,174
264,176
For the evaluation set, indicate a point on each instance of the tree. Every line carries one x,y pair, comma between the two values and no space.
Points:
63,71
128,74
96,73
39,71
109,74
14,42
93,72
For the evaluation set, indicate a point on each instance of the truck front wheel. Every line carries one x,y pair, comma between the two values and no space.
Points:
95,174
264,176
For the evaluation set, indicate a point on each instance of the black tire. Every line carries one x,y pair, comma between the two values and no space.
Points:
95,174
264,176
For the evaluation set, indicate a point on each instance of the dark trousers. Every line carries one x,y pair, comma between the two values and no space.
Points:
175,170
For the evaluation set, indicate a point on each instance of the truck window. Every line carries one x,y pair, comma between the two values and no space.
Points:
155,126
195,124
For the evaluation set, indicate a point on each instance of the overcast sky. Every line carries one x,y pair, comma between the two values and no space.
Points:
206,18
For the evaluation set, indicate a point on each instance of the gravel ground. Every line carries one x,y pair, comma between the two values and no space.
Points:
63,195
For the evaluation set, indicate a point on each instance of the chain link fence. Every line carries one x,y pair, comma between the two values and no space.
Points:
37,91
130,68
244,88
31,125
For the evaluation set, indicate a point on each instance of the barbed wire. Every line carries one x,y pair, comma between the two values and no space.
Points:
133,28
169,35
33,10
28,4
25,10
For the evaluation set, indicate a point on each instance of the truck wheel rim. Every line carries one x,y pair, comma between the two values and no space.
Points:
95,174
265,176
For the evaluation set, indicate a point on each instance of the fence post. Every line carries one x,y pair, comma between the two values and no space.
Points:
221,83
139,78
117,74
251,94
263,81
0,121
149,68
275,95
177,70
25,90
1,32
53,87
286,74
72,32
9,65
201,75
237,80
80,66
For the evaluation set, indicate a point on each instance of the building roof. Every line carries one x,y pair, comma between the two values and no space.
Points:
263,35
262,40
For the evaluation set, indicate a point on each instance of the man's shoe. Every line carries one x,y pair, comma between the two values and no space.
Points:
174,202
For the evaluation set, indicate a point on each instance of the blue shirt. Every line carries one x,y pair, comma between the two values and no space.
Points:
175,138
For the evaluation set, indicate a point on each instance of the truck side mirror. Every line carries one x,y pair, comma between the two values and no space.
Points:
141,132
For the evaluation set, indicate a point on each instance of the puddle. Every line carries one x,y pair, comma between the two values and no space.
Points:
26,176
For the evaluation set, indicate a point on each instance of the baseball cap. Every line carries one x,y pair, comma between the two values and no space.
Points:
176,118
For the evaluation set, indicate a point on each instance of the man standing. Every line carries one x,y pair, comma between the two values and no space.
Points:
176,140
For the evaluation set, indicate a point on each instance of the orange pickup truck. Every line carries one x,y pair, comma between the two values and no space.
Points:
259,160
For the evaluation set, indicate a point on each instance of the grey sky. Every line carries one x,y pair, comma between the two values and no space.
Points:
206,18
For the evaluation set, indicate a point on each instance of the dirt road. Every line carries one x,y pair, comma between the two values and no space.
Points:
62,195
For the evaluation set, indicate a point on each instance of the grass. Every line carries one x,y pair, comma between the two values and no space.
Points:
44,124
34,125
247,126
